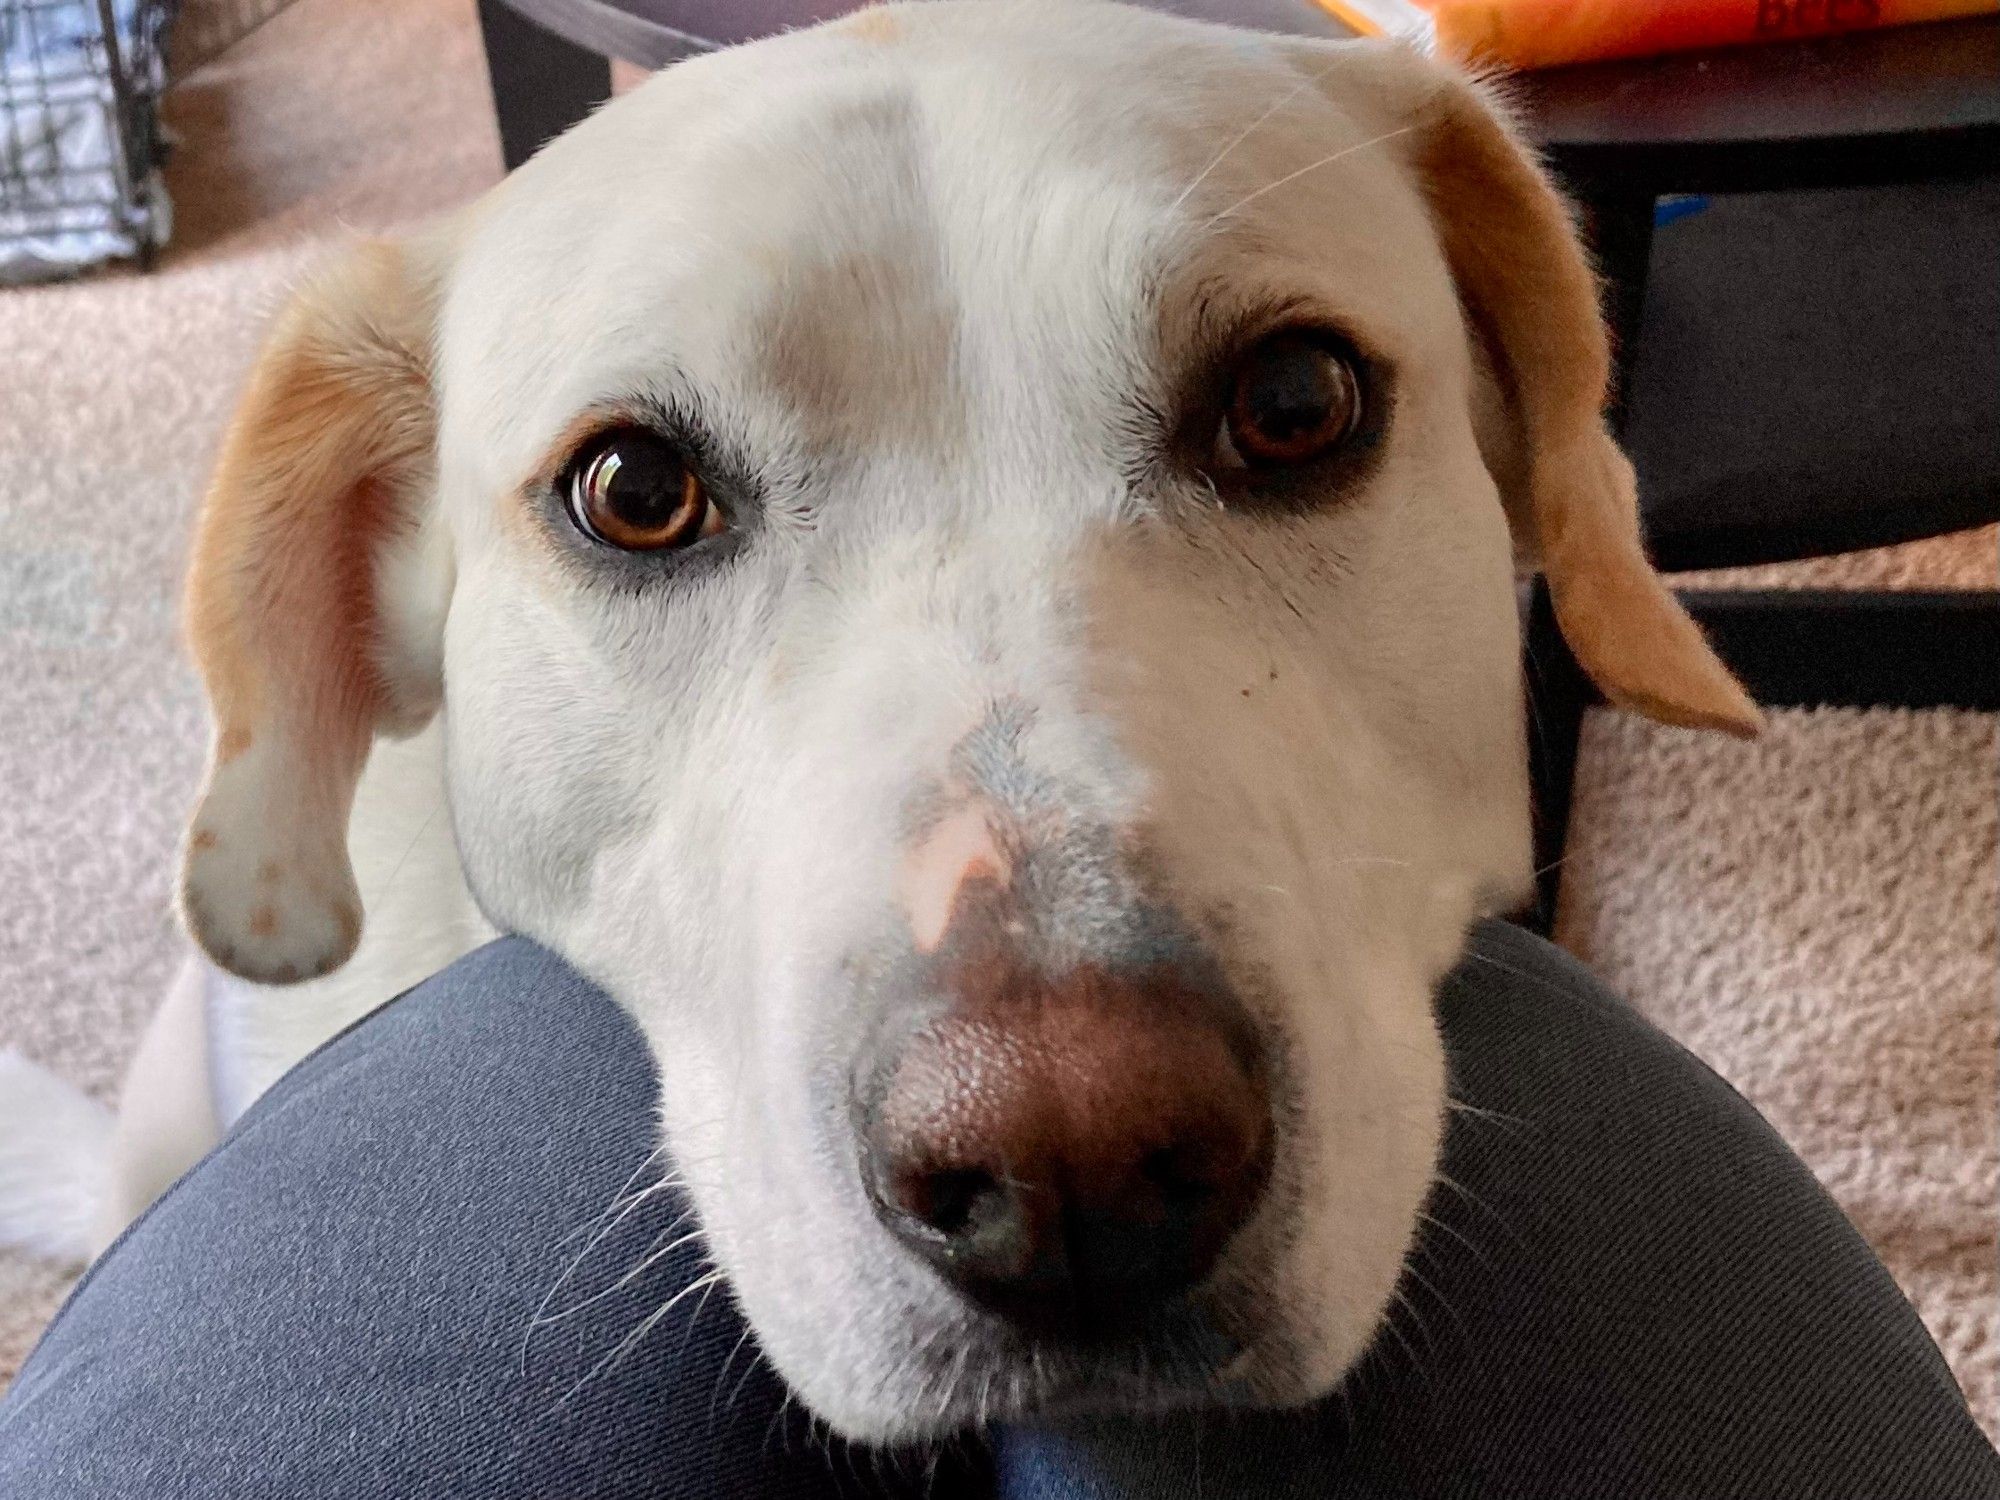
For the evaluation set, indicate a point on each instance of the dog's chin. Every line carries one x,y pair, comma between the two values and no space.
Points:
1188,1358
973,1369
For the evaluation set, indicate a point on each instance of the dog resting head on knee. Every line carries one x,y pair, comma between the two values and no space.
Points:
968,563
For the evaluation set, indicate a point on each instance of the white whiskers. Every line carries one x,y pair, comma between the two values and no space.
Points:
1310,81
631,1340
608,1218
1313,166
655,1253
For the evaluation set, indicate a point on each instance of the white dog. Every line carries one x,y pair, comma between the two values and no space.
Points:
962,563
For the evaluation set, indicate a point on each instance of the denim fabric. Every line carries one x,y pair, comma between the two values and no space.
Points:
341,1302
397,1280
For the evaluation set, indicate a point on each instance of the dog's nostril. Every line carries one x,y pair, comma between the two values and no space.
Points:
946,1201
1177,1173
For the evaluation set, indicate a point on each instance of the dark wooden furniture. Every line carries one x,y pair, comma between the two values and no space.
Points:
1812,366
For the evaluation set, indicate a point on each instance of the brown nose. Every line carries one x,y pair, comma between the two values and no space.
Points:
1070,1151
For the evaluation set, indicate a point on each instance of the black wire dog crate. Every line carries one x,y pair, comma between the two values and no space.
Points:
80,145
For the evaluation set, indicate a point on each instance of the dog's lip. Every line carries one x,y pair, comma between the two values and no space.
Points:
1000,1374
1087,1392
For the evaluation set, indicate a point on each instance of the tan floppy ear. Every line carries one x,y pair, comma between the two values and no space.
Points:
1532,299
313,611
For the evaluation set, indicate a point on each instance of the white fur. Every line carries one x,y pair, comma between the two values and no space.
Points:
55,1157
696,794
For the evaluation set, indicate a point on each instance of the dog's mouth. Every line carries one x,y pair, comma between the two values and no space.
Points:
1209,1349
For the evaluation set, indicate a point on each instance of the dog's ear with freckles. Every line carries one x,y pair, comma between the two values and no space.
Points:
1532,300
315,601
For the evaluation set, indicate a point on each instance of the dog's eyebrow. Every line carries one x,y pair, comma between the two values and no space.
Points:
1212,316
1221,316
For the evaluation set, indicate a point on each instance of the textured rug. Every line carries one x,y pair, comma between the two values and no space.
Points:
334,115
1814,914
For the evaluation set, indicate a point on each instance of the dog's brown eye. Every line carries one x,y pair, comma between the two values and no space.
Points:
1295,395
631,489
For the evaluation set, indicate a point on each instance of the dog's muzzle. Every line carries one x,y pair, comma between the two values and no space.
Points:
1066,1117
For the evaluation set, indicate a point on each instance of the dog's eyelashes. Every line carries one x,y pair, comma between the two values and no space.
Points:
1293,396
634,490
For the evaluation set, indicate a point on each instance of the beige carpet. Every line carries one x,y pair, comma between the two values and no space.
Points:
1814,914
336,114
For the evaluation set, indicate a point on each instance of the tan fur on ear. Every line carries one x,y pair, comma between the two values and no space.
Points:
321,471
1569,493
1627,630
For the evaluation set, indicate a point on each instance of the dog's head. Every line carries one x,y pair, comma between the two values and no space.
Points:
968,560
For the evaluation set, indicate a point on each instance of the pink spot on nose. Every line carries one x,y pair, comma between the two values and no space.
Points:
957,852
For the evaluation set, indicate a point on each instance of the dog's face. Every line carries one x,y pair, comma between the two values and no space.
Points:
966,558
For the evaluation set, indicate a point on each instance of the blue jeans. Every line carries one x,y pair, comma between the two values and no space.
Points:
397,1280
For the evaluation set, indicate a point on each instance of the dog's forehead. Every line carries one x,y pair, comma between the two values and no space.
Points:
878,226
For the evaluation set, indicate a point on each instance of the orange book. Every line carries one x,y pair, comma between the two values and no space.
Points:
1545,33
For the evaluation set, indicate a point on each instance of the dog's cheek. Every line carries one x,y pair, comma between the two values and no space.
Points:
1221,664
1373,1103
